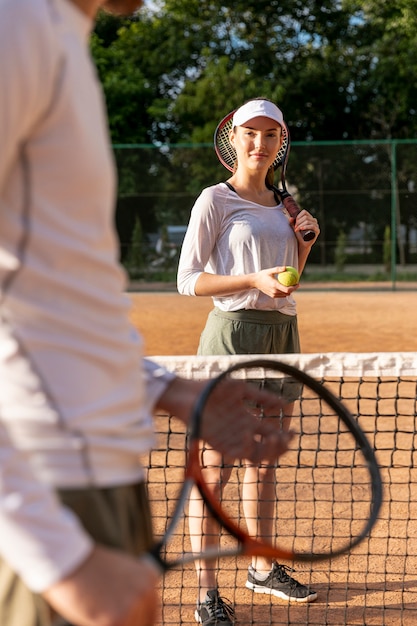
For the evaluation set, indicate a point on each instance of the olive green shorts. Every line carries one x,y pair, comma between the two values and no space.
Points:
118,517
254,332
249,332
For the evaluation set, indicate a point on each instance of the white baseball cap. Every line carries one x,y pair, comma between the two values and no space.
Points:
257,108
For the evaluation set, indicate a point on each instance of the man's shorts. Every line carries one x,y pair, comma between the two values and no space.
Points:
117,517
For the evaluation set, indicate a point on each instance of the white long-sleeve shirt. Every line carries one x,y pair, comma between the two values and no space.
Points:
75,400
231,236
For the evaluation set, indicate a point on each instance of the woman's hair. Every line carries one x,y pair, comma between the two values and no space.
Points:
270,177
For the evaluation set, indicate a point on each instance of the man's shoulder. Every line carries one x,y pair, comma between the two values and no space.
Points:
25,11
26,24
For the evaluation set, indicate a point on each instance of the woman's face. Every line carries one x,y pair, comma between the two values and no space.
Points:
257,143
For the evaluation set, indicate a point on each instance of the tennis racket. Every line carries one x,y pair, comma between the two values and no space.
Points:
322,497
227,157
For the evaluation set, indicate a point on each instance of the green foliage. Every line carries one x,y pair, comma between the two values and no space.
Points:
339,69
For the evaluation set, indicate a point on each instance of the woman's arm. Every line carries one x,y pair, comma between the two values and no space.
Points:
265,280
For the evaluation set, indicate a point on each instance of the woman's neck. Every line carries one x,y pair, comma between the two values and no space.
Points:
251,182
253,189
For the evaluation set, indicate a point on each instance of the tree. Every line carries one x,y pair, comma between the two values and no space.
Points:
339,69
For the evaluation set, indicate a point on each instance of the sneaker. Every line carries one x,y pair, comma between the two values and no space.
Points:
214,610
280,584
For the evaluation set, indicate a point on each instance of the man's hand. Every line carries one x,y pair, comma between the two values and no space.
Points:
109,589
229,425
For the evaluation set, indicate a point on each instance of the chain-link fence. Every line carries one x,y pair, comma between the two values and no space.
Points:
364,195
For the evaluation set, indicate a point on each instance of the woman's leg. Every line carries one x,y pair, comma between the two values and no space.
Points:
259,498
204,530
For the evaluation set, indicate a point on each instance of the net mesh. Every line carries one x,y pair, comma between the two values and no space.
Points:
376,582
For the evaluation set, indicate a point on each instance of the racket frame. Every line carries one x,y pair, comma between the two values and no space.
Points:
247,545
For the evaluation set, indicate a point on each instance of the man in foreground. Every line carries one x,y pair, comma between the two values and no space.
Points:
76,395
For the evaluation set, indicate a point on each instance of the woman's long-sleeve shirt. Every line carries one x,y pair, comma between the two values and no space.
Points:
229,235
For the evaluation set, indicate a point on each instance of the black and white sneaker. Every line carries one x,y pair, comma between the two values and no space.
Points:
214,611
280,584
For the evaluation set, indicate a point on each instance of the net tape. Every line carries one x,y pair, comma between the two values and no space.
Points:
316,365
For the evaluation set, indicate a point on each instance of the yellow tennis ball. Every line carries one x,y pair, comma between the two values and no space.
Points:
290,277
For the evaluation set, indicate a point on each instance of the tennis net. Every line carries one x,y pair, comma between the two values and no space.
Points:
376,582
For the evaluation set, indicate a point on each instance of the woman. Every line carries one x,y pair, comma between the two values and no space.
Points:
238,239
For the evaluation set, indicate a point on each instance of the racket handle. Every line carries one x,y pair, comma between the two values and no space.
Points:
293,209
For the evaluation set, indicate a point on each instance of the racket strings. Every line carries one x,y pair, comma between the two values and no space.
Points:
227,153
317,498
225,149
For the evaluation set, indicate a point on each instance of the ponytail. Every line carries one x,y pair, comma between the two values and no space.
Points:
269,180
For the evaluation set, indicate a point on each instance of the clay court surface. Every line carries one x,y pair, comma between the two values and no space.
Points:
329,320
378,589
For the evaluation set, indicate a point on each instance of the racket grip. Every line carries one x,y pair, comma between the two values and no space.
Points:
293,209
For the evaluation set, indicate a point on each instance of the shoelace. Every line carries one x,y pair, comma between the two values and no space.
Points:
220,609
281,573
